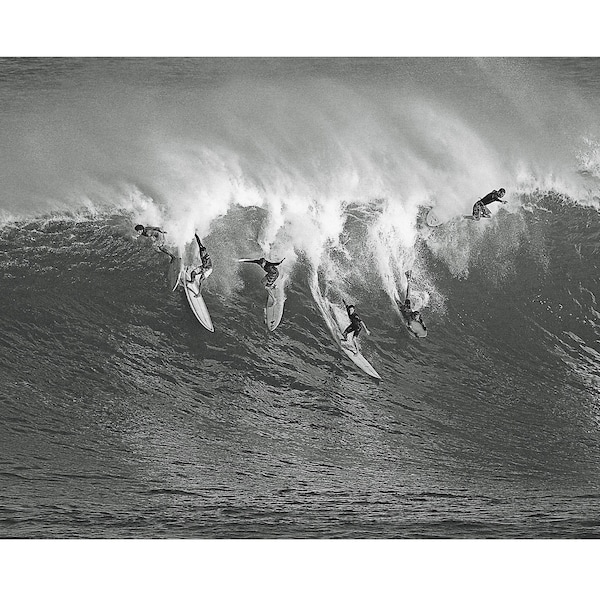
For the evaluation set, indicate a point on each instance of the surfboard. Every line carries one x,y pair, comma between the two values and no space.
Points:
416,328
196,302
274,306
358,359
433,219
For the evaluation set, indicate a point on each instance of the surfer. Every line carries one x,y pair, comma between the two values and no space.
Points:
356,324
408,313
158,238
272,272
480,208
201,272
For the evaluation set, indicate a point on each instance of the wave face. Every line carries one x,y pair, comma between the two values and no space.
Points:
122,417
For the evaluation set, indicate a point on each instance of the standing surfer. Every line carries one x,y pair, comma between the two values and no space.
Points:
356,324
157,236
412,316
480,208
200,272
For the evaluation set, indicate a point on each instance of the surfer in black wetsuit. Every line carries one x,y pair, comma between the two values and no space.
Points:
408,313
480,208
158,238
272,272
201,272
356,324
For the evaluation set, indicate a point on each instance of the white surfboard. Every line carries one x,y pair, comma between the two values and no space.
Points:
274,305
433,219
358,359
195,299
416,328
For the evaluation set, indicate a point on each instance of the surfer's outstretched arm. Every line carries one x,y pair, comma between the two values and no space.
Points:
347,306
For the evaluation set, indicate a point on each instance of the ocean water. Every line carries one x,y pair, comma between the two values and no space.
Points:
120,416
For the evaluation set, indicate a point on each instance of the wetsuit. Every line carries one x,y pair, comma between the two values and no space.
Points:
356,323
271,270
479,208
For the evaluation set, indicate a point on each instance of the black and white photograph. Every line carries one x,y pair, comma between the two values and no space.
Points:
299,298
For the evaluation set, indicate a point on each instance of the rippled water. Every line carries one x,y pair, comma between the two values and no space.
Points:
123,417
120,416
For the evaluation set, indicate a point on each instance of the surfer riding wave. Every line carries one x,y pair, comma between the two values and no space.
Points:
201,272
270,268
412,316
480,208
355,327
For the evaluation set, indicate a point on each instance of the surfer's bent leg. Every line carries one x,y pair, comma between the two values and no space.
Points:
163,249
347,331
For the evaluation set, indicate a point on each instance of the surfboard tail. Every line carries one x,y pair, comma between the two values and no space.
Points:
178,282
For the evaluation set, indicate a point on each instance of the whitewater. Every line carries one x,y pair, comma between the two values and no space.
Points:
122,417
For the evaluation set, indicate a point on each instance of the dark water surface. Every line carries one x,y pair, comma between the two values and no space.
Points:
122,416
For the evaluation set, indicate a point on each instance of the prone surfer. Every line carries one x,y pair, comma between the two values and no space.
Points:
158,238
272,272
408,313
201,272
480,208
356,325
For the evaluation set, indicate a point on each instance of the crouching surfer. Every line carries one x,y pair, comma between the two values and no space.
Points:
200,273
480,208
355,327
272,272
412,317
157,235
